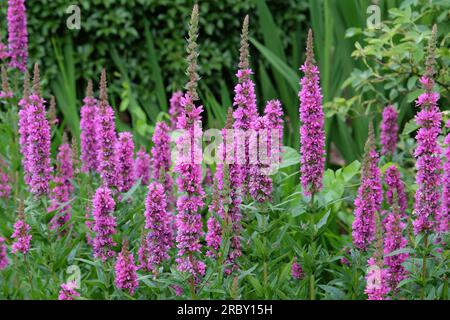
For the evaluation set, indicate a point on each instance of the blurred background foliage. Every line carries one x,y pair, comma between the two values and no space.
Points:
142,43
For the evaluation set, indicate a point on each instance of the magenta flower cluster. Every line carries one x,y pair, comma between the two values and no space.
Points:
395,193
68,291
17,34
297,270
88,136
377,287
124,162
312,133
142,166
62,190
161,154
442,218
125,271
157,222
22,237
175,108
5,187
368,201
389,131
3,257
104,223
428,164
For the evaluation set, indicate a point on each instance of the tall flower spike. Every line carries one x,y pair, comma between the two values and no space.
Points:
24,127
52,117
142,166
125,162
106,137
442,218
3,51
63,189
161,154
192,54
377,286
6,92
369,198
17,34
175,109
38,141
395,193
5,187
159,238
88,126
189,222
125,268
312,133
3,257
104,223
21,233
246,112
389,131
427,152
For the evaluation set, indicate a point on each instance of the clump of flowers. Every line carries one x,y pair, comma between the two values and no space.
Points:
3,257
21,235
369,198
125,162
395,192
142,166
389,131
157,222
442,218
38,142
106,137
162,156
63,189
68,291
88,126
125,271
246,112
189,224
17,34
5,92
104,223
175,108
5,187
312,133
428,164
297,270
24,127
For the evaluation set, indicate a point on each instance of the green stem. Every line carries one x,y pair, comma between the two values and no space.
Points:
312,294
424,266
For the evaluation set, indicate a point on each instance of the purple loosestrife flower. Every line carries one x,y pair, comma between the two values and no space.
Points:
442,218
162,157
376,278
39,141
104,223
125,162
297,270
260,183
22,236
5,188
106,137
214,225
312,133
17,34
68,291
88,126
175,109
5,92
389,131
3,51
189,222
246,111
157,221
369,198
24,127
395,189
142,166
394,240
126,277
3,257
63,189
428,151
